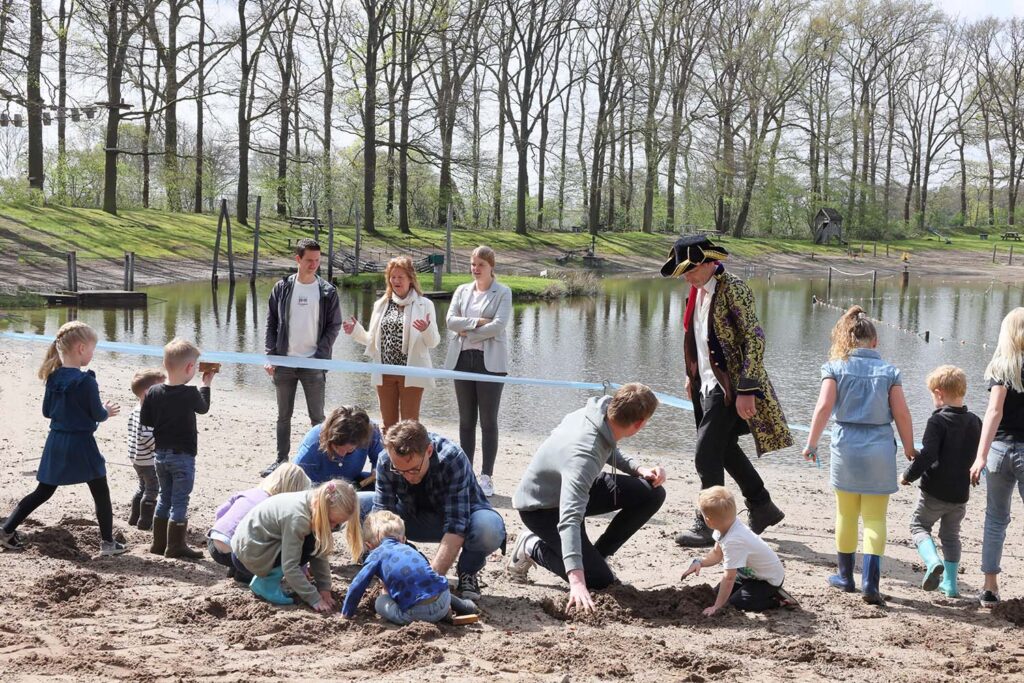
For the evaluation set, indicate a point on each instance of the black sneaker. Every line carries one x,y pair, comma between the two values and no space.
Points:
469,586
12,541
270,468
988,599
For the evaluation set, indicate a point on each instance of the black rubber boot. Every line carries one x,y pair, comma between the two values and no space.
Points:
133,516
146,514
159,546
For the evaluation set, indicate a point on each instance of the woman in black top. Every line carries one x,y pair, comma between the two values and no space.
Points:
1001,451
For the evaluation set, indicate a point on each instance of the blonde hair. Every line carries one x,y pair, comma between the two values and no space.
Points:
853,330
949,379
179,352
144,379
402,263
485,253
69,334
287,478
632,403
337,495
1005,366
382,524
717,502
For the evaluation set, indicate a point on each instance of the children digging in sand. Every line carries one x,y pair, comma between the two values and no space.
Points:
753,572
413,591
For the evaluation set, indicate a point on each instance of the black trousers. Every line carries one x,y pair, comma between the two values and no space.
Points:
753,595
221,558
100,495
718,450
478,398
636,501
245,576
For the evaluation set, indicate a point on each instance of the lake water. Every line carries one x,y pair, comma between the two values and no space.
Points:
631,331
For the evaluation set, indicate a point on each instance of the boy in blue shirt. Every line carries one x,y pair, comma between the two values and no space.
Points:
413,591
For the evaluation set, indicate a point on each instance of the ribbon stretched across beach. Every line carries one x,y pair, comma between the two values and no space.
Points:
358,367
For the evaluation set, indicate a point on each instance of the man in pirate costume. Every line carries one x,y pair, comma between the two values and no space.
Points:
727,382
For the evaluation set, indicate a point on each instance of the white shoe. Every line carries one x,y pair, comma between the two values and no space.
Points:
486,484
519,562
111,548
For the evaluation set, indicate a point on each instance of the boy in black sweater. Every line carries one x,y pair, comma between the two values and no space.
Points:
944,466
170,411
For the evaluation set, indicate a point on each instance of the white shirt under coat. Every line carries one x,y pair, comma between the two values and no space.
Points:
303,319
702,309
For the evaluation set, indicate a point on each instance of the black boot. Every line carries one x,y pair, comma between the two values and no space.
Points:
698,535
146,515
762,516
159,546
177,544
133,516
267,471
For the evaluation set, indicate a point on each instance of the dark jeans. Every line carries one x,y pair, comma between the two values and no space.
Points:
753,595
718,450
478,398
634,498
217,556
286,381
149,484
245,576
100,496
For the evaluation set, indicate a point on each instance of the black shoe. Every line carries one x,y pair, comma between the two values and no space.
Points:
469,586
988,599
762,516
698,535
270,468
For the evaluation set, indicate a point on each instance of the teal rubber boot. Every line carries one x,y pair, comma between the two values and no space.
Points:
932,565
870,574
948,585
269,587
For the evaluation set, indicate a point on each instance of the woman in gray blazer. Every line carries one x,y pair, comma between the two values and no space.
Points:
477,324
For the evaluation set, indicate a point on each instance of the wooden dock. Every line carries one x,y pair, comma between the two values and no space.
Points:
94,298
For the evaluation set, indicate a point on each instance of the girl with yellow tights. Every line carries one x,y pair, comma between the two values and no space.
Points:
865,396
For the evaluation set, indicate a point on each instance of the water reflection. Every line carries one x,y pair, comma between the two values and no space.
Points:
632,331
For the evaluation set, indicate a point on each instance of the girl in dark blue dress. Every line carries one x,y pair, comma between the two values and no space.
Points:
72,404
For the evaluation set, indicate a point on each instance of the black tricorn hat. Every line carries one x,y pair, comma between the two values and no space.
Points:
689,252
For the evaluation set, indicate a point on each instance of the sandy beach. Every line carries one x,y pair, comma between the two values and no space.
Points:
70,615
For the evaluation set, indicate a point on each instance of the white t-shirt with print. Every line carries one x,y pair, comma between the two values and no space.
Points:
303,319
746,552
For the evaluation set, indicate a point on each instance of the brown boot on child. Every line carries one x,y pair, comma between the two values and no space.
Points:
177,546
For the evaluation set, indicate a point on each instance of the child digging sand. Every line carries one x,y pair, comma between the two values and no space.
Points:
412,590
944,467
753,572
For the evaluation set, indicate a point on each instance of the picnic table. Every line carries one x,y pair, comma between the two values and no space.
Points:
1011,235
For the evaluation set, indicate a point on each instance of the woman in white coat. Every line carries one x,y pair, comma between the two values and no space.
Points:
402,330
478,342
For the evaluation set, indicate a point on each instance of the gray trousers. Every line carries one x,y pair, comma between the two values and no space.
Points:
286,381
949,516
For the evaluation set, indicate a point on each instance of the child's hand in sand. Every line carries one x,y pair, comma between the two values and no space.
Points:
694,568
711,611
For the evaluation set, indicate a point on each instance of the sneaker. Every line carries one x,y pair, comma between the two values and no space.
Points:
469,586
270,468
108,548
988,599
486,485
12,541
520,561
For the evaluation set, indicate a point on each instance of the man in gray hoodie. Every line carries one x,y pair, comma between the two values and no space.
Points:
564,484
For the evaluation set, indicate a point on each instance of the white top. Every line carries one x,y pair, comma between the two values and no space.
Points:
746,552
140,440
475,309
708,381
303,317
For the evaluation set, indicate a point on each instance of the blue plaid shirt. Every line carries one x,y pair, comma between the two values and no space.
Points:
449,485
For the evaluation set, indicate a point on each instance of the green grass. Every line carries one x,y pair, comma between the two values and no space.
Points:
523,287
20,299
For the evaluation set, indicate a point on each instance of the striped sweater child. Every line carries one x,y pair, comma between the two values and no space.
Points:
141,443
141,452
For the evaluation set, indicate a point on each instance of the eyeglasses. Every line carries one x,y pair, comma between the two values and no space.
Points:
411,470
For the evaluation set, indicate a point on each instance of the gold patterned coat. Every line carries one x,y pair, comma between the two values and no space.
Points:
736,344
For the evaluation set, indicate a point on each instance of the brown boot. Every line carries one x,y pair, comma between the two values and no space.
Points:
176,544
159,536
146,515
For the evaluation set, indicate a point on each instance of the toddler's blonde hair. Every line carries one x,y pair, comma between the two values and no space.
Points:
949,379
382,524
180,352
717,502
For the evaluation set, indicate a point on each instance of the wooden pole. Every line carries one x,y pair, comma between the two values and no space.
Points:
256,242
993,253
828,290
330,245
216,243
359,235
874,250
886,250
316,223
874,289
448,241
905,276
1011,256
131,271
231,251
126,259
72,271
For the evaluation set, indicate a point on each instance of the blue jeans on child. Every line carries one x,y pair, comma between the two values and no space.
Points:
1004,471
177,474
432,611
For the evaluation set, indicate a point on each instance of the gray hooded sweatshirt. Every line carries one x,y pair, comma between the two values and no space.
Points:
565,467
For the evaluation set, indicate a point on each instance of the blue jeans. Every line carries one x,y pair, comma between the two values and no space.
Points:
486,533
432,611
1005,470
177,474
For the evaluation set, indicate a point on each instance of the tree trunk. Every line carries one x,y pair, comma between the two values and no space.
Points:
478,88
676,128
392,82
542,165
246,67
370,117
197,204
117,45
33,91
563,160
171,87
499,162
63,26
